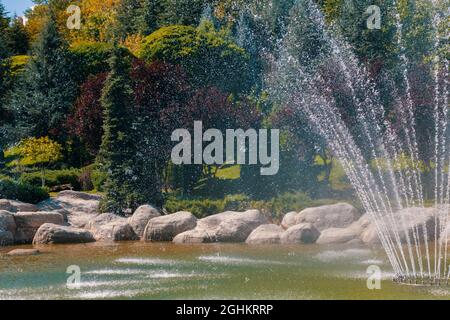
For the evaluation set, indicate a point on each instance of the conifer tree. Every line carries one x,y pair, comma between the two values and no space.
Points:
117,151
44,95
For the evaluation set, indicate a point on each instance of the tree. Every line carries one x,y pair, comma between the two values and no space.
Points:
35,152
208,57
86,119
45,92
5,64
117,150
18,40
137,17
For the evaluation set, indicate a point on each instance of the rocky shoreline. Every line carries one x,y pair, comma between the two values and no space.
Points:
74,217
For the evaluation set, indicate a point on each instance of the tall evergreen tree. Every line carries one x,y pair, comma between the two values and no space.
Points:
117,151
45,92
18,40
137,17
4,85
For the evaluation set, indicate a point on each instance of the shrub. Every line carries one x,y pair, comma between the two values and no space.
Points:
274,208
198,207
98,179
92,57
18,64
22,192
53,178
85,179
208,57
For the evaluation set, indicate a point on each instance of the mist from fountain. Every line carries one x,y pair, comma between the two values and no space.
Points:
372,153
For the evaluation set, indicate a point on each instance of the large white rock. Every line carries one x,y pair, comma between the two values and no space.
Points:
265,234
6,238
228,226
28,223
165,228
410,221
119,230
17,206
103,219
55,234
338,215
351,233
7,222
303,233
72,201
289,220
139,220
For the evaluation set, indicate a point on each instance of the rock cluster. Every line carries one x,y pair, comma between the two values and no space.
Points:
74,217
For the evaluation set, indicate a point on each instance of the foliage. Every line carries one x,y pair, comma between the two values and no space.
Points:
86,119
18,64
54,178
91,58
208,57
44,93
35,152
17,38
22,192
118,148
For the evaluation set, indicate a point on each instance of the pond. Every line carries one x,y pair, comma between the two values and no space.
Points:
138,270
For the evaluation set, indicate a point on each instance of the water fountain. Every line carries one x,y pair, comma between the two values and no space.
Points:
373,151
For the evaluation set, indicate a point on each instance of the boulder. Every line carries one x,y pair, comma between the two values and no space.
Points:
338,215
54,234
7,222
139,220
6,238
17,206
103,219
345,235
337,236
289,220
29,222
265,234
228,226
24,252
5,205
303,233
194,236
72,201
119,230
405,222
165,228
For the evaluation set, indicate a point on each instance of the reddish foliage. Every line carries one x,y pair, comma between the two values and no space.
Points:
86,120
164,101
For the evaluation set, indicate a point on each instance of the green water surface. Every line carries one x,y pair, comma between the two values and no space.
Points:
137,270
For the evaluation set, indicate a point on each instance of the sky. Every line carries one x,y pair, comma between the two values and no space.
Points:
17,6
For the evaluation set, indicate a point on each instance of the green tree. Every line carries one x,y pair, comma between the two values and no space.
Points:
35,152
117,149
18,40
45,92
4,78
137,17
209,57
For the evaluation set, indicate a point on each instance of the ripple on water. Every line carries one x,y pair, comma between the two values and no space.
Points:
240,261
149,261
333,255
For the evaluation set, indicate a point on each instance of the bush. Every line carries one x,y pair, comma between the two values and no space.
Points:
98,179
18,64
53,178
274,208
198,207
92,57
85,179
22,192
208,57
